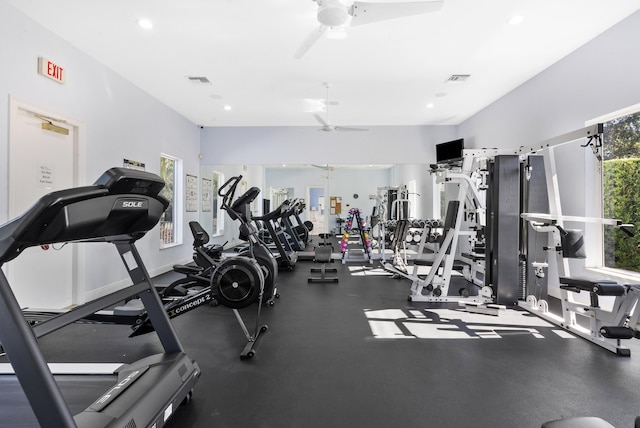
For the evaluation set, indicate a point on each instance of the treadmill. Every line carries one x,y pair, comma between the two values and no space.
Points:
120,208
291,235
286,257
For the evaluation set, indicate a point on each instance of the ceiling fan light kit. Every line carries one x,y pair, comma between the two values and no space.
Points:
333,13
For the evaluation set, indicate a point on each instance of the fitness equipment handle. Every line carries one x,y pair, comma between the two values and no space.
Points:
228,195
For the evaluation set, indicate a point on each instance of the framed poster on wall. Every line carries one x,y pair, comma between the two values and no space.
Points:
207,191
192,193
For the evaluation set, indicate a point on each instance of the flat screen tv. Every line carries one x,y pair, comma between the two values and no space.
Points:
450,152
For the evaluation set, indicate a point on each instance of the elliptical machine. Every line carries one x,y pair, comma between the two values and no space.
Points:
240,210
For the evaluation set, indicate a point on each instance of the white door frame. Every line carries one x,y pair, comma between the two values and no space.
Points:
308,204
79,174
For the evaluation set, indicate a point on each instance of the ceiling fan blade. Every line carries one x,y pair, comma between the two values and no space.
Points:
310,41
320,120
348,128
325,167
366,13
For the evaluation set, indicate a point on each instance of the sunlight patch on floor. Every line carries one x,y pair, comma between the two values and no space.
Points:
408,323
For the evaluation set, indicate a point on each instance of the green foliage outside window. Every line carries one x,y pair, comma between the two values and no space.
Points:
621,190
167,166
167,226
622,201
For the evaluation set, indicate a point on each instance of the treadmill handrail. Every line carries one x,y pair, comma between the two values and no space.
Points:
275,214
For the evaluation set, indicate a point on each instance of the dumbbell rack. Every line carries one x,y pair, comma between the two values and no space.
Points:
349,254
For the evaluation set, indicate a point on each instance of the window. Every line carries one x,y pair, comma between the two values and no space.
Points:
217,211
621,189
171,220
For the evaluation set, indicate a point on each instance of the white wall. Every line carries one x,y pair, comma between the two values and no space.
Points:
121,122
598,78
306,145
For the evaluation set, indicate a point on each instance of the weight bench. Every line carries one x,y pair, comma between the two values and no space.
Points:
323,254
606,328
601,288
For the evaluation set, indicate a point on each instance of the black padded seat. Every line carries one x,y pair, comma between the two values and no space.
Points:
578,422
603,287
423,262
323,255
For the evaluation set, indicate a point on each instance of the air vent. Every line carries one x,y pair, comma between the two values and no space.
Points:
458,78
199,80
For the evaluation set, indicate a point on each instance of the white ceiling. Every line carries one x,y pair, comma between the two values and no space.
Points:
383,73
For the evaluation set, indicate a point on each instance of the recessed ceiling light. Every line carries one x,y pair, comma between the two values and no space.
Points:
227,107
516,19
430,105
144,23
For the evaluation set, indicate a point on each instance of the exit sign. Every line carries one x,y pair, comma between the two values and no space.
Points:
51,70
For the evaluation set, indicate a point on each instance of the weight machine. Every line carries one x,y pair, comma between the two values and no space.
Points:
466,217
606,328
392,205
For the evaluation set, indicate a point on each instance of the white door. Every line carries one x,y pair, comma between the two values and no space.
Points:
41,160
316,209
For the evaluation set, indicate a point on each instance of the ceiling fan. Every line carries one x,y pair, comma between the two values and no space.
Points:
326,167
326,124
333,14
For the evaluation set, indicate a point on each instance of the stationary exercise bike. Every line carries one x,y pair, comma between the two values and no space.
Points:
197,275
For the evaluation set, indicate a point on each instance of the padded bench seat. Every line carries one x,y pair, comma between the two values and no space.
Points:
600,287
